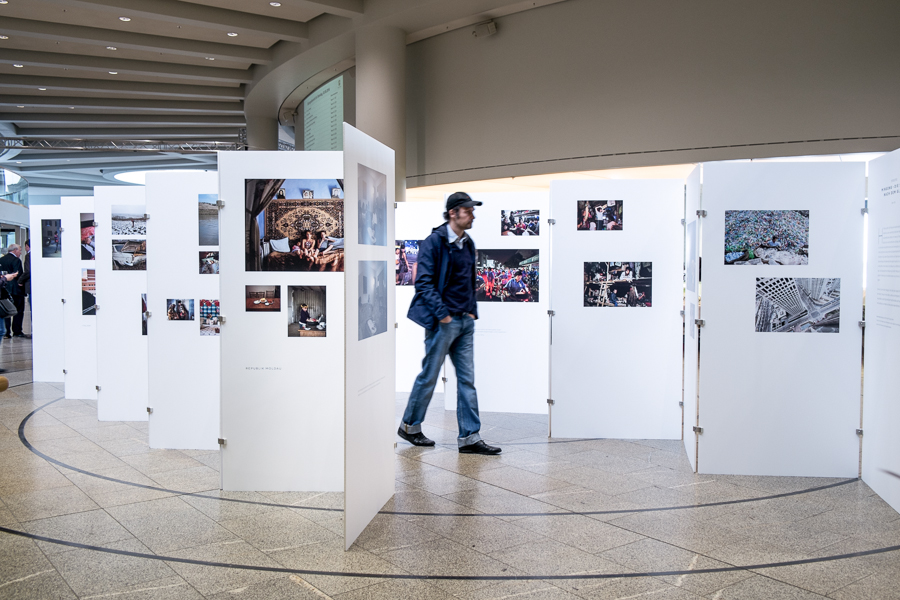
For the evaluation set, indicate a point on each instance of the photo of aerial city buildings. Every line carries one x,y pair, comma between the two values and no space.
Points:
798,304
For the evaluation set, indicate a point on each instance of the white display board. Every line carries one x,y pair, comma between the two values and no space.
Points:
414,222
691,312
881,404
47,325
616,369
781,402
282,398
121,345
183,354
370,334
80,331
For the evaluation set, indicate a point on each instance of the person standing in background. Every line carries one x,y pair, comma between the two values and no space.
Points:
11,263
25,281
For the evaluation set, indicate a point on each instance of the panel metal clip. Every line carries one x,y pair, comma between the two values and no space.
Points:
701,213
698,429
681,312
862,324
149,314
65,372
222,441
220,203
864,210
63,300
62,229
396,325
98,387
699,322
682,222
443,379
551,221
859,432
681,403
149,410
551,401
221,319
95,224
551,313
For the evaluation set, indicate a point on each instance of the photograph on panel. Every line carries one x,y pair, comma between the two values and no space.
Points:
406,261
372,298
88,249
179,309
520,222
690,266
50,242
600,215
766,237
208,208
209,317
129,219
507,276
618,284
144,314
294,224
88,292
263,298
129,255
306,311
798,304
372,207
209,263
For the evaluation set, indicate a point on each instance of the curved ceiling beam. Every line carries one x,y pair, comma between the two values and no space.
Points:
107,119
121,104
75,84
205,134
95,36
199,15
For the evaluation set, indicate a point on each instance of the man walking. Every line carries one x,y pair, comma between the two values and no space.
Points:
11,263
444,304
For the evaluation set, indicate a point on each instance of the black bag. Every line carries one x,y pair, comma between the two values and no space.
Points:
7,308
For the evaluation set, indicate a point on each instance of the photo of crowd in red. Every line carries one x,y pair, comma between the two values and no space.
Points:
618,284
507,276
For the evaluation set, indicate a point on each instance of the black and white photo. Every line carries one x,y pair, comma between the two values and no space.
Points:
372,301
798,305
372,206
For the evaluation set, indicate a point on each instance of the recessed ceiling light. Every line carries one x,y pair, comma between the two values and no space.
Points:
4,1
275,4
71,108
113,72
111,48
126,19
210,58
42,89
18,66
232,34
4,37
20,106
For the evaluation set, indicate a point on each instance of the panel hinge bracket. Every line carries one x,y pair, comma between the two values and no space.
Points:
699,322
98,387
864,210
221,320
862,324
149,314
859,432
395,205
149,411
551,401
681,403
65,372
444,379
95,224
698,429
551,221
551,313
222,441
220,203
682,222
701,213
62,229
396,325
63,300
681,312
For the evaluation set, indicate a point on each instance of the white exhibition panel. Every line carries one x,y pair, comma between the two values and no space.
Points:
183,364
616,371
47,312
121,346
512,339
781,403
881,405
413,221
691,312
370,353
282,408
79,331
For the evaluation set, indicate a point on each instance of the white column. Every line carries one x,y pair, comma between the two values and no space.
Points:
262,133
381,93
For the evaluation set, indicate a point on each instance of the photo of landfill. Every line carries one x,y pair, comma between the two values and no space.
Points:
766,237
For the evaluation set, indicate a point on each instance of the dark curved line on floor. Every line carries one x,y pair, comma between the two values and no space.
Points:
286,570
629,511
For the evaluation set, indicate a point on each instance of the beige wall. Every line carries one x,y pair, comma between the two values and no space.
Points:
632,78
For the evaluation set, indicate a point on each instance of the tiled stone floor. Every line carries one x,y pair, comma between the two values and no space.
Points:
558,520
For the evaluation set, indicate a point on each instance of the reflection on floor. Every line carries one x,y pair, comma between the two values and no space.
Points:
542,510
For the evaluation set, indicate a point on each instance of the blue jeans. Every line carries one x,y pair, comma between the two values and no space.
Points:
456,339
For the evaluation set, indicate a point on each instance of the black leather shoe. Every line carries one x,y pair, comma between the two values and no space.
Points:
23,335
479,447
8,336
416,439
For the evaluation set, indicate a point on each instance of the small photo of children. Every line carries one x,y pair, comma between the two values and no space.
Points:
180,310
306,311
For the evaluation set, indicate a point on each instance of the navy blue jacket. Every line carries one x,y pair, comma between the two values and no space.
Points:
427,307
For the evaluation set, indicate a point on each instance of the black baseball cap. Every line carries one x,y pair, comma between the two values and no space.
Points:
460,199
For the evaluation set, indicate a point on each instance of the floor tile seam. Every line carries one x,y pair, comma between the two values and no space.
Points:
54,567
805,589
